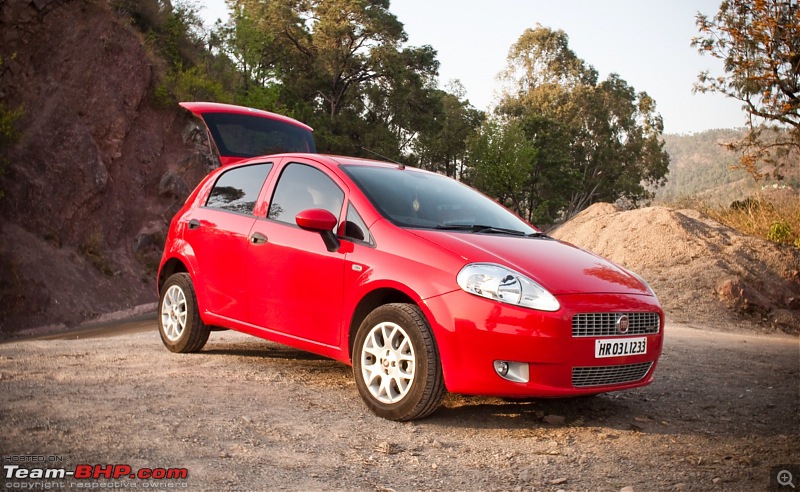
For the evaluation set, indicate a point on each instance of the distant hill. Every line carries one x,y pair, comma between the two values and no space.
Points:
700,168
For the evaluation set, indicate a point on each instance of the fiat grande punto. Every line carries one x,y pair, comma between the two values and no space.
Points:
419,282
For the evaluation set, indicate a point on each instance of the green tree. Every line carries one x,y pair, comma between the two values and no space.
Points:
522,164
502,158
399,108
339,65
452,122
611,133
187,70
245,44
759,43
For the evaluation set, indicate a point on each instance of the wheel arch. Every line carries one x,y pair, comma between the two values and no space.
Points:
371,301
170,267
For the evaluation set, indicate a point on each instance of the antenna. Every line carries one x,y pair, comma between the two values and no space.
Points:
400,165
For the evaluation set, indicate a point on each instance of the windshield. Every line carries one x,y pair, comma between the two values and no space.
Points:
411,198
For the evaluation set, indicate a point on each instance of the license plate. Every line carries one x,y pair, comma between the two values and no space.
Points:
620,347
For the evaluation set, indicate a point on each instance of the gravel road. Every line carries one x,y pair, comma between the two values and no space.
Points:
246,414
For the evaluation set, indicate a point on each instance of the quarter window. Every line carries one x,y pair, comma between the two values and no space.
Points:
303,187
354,226
237,190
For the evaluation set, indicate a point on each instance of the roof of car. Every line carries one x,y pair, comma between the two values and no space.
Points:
336,160
358,161
212,107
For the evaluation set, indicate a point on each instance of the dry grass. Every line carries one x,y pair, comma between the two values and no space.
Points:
776,219
93,250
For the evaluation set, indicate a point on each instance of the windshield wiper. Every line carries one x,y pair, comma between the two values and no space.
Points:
478,228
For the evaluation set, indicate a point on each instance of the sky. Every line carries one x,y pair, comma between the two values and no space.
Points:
645,42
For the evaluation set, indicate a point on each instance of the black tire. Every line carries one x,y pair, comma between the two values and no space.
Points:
412,350
179,322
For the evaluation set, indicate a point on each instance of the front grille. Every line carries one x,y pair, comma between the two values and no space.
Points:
605,324
584,377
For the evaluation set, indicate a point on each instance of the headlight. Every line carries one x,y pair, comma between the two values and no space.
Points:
640,279
505,285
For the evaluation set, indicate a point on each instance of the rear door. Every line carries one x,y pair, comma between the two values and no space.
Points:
219,231
239,133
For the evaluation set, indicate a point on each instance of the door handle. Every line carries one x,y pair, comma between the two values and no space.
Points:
194,224
258,238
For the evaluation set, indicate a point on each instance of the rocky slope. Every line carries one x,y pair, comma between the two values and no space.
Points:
97,169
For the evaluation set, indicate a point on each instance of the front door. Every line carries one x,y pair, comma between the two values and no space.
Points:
294,283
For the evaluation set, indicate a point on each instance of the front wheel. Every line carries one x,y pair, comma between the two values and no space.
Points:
179,321
396,363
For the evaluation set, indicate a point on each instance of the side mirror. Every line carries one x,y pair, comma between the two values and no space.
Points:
321,221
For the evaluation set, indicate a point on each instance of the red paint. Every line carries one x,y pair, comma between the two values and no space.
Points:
292,290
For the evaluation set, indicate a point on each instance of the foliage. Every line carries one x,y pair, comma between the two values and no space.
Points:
8,118
342,67
700,165
191,84
502,160
339,65
759,43
521,163
602,136
92,248
175,32
452,123
775,219
561,139
779,232
8,132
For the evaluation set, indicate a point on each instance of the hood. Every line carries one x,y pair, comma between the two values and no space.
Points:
559,267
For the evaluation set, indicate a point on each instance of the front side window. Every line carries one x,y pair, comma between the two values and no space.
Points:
303,187
237,190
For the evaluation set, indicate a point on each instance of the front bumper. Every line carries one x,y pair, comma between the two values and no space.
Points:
472,333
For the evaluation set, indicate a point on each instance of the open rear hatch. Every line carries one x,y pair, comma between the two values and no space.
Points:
239,133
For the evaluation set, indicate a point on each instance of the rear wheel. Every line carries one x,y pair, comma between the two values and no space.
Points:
396,363
179,321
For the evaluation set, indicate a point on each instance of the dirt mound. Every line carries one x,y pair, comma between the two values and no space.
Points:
702,271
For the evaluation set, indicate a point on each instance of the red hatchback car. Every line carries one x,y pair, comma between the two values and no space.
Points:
419,282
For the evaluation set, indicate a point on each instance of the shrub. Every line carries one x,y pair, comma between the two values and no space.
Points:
93,250
192,84
8,132
776,220
780,232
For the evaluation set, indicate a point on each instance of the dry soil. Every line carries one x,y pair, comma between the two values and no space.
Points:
246,414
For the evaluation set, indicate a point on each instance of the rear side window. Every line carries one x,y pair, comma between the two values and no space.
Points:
303,187
248,136
237,190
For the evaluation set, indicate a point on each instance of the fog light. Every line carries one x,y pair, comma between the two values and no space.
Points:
513,371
